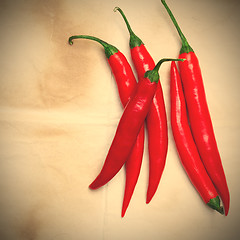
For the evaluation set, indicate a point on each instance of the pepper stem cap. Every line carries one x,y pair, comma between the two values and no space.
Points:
153,75
214,203
134,41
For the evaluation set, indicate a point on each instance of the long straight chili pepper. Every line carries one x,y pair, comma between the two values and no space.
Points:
129,125
156,120
199,115
126,84
186,146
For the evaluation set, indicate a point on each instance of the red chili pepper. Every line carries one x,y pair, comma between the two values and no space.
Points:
199,116
156,120
126,84
129,126
186,146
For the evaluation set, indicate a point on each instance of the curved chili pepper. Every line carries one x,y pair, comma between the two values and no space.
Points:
186,146
199,116
129,125
156,120
126,84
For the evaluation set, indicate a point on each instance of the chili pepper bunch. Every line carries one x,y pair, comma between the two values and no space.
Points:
143,102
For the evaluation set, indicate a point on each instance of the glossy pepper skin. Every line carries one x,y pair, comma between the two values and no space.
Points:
186,146
156,121
199,116
126,83
129,126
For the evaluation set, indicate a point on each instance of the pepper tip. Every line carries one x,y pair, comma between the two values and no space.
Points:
149,198
91,186
123,213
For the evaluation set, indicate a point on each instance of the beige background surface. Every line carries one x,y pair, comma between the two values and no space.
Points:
59,109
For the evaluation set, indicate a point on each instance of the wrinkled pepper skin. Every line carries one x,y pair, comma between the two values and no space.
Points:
184,141
201,124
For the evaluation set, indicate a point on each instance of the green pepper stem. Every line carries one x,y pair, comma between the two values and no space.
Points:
186,48
153,75
109,49
135,41
125,19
